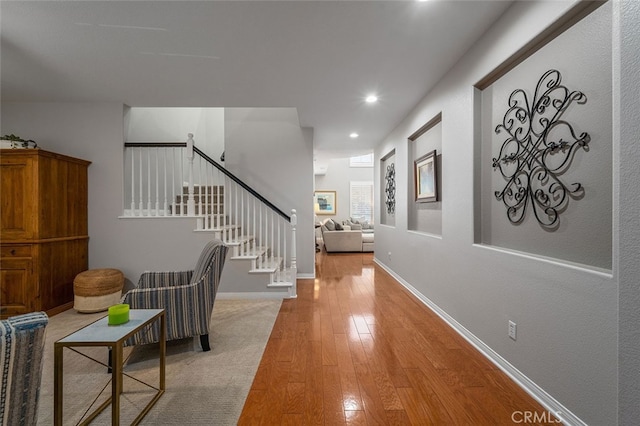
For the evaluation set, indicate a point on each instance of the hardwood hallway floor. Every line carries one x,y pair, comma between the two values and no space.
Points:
356,348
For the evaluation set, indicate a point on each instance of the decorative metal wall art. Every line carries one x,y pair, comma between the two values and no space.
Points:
539,148
390,189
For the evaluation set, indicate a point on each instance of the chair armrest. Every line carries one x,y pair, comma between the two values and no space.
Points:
164,279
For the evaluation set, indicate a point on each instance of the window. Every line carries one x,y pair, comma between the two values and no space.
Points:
361,161
361,200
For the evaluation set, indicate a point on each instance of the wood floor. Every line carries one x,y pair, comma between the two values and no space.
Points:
356,348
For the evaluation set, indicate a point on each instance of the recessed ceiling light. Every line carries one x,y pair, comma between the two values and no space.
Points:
371,99
353,135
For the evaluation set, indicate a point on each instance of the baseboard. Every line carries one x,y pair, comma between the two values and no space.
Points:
528,385
59,309
251,295
306,276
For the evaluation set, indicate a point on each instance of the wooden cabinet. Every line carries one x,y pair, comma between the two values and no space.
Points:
44,239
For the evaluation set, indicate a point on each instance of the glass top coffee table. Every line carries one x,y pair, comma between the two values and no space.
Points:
99,333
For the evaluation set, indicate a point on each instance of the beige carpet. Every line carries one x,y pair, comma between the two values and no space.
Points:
203,388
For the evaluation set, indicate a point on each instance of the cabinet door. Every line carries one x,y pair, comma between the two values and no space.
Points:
17,295
18,198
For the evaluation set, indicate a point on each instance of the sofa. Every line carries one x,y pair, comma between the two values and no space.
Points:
347,236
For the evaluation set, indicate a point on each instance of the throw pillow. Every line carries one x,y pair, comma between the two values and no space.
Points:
330,224
339,227
367,225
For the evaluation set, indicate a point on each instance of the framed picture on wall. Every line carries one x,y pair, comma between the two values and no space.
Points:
426,178
324,202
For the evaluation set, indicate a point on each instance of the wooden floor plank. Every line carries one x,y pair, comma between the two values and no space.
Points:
373,407
254,407
294,403
332,396
313,402
357,348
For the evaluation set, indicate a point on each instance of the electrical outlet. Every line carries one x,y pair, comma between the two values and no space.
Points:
389,255
512,330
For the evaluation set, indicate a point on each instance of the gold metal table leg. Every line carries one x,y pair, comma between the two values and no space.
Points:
58,364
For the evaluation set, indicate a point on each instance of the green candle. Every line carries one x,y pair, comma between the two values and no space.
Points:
118,314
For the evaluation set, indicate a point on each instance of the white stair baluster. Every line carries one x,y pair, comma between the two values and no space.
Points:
294,266
227,204
183,205
221,201
207,194
173,182
198,209
191,205
133,182
279,244
148,183
157,184
235,211
200,188
217,200
141,201
284,258
261,236
243,228
164,186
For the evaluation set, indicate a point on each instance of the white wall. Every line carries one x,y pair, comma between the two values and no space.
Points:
174,124
567,316
269,150
337,178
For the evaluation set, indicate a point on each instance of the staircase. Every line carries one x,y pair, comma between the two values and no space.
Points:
179,180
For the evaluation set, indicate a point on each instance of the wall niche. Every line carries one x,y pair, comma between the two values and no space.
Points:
544,147
425,217
387,187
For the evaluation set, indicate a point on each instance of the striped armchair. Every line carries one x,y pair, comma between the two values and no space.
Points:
21,351
187,298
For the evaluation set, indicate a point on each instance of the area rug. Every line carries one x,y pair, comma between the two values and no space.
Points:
202,388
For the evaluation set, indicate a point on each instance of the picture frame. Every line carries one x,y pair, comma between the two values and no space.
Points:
324,202
426,178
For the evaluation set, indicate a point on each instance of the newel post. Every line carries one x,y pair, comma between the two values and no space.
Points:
294,265
191,203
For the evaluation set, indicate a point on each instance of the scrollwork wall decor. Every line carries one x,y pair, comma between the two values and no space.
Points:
390,189
538,150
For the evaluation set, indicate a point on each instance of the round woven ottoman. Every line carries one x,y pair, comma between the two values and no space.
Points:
97,289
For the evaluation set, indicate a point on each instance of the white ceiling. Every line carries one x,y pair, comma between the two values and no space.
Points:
322,57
